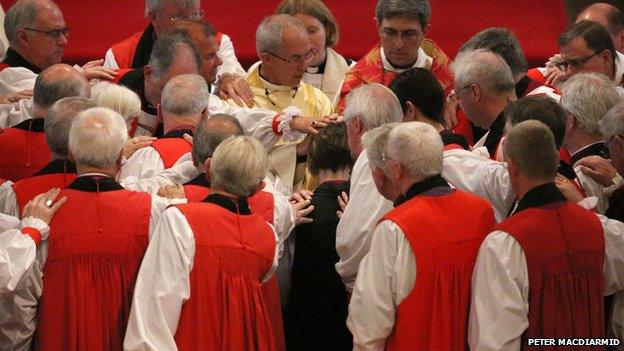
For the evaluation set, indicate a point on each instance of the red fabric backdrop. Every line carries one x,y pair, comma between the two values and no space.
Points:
96,25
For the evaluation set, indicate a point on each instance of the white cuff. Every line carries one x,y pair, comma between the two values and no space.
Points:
589,203
38,224
284,125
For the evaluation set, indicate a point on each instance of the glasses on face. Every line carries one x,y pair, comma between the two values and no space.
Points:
576,63
407,35
195,16
296,58
54,33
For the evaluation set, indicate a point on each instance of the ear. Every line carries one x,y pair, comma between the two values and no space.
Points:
259,188
207,168
265,57
358,127
147,71
159,115
152,16
475,92
619,39
377,23
410,112
606,57
425,29
22,36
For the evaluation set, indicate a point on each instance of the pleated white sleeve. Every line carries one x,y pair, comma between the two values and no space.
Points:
228,56
180,173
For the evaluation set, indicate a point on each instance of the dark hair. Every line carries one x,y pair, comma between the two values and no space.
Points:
420,87
329,149
184,27
501,41
419,10
540,108
615,20
210,132
595,35
165,50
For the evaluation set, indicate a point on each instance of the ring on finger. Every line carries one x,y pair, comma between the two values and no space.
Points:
48,203
313,123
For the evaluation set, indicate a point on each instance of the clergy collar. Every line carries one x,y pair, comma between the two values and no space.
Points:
144,47
421,61
13,59
58,167
274,87
495,133
94,182
424,187
320,69
240,206
178,133
448,138
199,180
540,196
596,149
31,125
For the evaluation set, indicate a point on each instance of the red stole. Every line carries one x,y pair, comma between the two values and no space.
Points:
435,314
27,188
24,151
97,241
226,309
564,249
171,149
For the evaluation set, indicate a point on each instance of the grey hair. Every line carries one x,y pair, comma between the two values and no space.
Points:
588,96
238,165
531,146
97,137
210,133
374,104
613,122
47,92
374,141
165,50
156,5
418,147
416,9
118,98
485,68
186,94
271,31
21,15
58,121
503,42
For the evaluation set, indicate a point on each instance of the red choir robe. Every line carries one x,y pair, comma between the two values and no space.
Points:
24,150
434,316
227,309
96,244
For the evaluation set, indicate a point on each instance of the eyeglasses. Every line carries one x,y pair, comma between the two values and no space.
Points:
576,63
195,16
611,139
54,33
408,35
297,58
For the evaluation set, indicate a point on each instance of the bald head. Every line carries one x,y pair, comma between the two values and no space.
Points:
210,133
57,82
610,17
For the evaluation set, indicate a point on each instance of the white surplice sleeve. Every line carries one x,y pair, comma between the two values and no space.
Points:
162,285
227,54
180,173
593,188
8,200
109,60
385,278
8,222
144,163
15,79
357,224
481,176
499,308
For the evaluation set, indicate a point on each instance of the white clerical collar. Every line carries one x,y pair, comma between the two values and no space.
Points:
420,62
274,87
94,174
619,68
585,147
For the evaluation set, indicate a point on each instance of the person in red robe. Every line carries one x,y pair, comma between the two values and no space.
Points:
543,272
412,290
200,284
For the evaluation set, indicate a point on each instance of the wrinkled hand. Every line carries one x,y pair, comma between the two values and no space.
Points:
301,195
307,125
95,70
38,207
599,169
15,97
172,192
568,189
235,87
554,76
343,200
450,111
136,143
301,210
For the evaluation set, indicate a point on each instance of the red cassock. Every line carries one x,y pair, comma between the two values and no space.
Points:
57,174
171,149
435,314
24,150
226,309
564,249
96,244
261,203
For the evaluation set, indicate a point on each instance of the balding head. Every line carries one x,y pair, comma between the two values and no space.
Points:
57,82
203,35
210,133
162,14
610,17
34,29
59,119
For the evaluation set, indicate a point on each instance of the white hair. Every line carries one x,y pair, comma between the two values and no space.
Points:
58,121
485,68
186,94
270,32
22,14
588,96
374,141
238,165
418,148
118,98
613,122
97,137
156,5
374,104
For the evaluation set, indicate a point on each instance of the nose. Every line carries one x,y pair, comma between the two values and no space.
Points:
219,61
62,40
